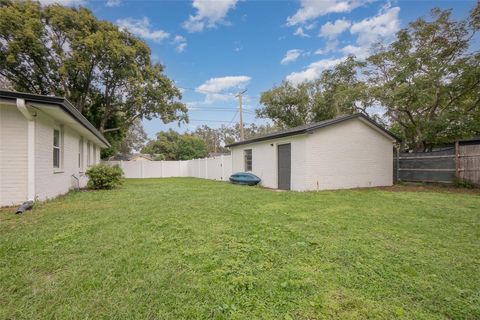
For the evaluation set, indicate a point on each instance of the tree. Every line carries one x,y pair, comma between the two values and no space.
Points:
212,137
171,145
475,17
4,84
217,138
105,72
428,80
135,138
336,92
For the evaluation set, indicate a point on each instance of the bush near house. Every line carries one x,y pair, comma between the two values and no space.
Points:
104,177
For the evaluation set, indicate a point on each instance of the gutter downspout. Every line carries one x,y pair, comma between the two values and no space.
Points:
30,148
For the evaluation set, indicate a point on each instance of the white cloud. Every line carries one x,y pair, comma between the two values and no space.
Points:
329,47
311,26
216,89
299,32
113,3
357,51
312,9
181,47
380,27
62,2
180,42
142,28
332,30
216,85
313,71
291,56
209,14
178,39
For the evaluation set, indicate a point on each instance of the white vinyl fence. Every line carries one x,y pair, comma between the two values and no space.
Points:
216,168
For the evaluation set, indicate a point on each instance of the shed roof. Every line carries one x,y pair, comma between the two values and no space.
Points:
311,127
62,102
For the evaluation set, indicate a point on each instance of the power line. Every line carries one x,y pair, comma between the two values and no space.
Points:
207,120
215,109
206,91
232,118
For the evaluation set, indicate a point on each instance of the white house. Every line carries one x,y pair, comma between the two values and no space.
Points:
46,145
345,152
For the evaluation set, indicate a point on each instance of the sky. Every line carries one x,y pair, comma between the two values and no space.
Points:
214,49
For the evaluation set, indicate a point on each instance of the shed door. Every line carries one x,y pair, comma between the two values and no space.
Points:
284,166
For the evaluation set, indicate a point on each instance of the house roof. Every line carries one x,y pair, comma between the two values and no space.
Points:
63,103
311,127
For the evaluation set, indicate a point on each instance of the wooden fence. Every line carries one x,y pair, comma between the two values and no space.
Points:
468,161
460,161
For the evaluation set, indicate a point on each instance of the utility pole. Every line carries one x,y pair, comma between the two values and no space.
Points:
239,96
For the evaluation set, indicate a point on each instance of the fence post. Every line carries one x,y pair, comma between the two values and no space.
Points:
457,160
206,167
398,164
221,166
141,169
198,167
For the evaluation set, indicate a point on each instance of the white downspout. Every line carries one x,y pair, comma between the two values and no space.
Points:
30,148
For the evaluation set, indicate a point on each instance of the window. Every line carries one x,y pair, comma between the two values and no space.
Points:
247,156
80,154
57,151
89,158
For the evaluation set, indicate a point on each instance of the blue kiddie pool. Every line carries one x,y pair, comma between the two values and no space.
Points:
245,178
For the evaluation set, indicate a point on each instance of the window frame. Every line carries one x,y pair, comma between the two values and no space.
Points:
80,154
248,163
57,149
89,154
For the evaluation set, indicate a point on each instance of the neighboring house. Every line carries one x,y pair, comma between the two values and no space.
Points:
345,152
131,157
46,145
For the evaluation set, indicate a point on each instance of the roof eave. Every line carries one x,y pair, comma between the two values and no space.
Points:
313,128
260,139
63,103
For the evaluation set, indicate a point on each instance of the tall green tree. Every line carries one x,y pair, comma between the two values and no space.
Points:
171,145
135,138
105,72
337,92
428,80
217,138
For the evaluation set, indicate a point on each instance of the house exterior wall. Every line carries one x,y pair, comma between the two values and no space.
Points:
13,155
49,181
264,160
349,154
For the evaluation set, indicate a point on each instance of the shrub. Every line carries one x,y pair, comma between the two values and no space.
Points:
104,177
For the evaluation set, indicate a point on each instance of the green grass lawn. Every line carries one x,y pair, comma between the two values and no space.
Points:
191,248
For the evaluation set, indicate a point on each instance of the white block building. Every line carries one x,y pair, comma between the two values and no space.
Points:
345,152
46,145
